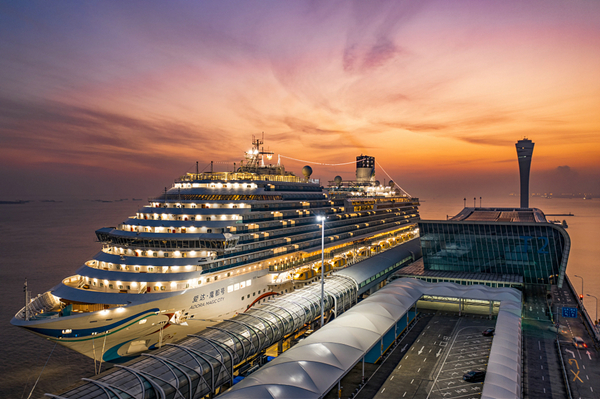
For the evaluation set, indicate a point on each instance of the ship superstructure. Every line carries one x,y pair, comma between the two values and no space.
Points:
211,246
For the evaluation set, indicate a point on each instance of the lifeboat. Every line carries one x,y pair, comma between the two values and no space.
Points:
339,262
304,274
317,268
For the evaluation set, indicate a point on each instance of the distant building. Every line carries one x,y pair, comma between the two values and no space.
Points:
497,242
524,154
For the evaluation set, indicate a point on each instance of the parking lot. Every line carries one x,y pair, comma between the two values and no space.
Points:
433,367
467,350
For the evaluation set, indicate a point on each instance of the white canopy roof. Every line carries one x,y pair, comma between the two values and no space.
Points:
311,368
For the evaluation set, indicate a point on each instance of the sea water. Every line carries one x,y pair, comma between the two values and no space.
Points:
48,241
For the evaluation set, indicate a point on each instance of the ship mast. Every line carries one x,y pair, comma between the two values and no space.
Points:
255,156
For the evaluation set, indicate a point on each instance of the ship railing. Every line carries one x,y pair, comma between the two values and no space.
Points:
332,253
157,269
44,305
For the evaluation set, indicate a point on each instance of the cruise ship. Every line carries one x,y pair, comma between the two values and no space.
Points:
212,246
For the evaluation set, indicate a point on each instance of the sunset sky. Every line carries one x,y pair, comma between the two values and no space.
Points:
116,99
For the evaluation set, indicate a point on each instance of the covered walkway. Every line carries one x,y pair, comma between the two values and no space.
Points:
317,364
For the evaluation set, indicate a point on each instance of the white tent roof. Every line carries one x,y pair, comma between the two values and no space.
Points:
311,368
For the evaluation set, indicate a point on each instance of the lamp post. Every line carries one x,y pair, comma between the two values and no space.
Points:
580,295
322,220
595,321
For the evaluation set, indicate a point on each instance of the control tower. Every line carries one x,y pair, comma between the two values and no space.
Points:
524,153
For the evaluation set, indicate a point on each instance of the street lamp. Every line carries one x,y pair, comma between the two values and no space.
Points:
580,295
595,321
322,220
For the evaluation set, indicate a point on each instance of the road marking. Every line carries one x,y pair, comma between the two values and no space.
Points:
576,374
403,349
382,390
392,378
571,352
591,389
539,345
404,394
542,367
544,390
587,377
424,360
575,361
439,353
588,353
412,380
419,369
543,378
421,351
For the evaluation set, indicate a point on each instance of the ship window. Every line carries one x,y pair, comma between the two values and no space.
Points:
166,255
209,230
230,288
248,296
150,269
155,288
101,284
208,280
110,286
162,287
242,298
183,254
137,268
216,278
228,274
254,294
128,287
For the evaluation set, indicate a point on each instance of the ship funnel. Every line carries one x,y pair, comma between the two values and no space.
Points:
365,168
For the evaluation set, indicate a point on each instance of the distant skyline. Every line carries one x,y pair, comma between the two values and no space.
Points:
116,99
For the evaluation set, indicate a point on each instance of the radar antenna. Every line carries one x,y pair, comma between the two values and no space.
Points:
255,156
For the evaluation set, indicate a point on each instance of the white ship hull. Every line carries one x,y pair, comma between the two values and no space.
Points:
116,334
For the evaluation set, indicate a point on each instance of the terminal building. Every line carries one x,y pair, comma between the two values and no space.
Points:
505,246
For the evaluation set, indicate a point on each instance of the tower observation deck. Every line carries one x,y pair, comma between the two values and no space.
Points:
524,153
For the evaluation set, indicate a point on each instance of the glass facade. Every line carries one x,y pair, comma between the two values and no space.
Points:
536,251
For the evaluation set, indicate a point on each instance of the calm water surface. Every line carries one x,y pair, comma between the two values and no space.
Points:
45,242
